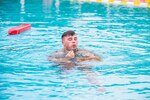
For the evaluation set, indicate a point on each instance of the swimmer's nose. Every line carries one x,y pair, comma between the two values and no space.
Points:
73,41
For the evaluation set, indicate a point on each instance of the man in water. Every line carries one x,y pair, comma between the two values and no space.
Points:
70,53
71,56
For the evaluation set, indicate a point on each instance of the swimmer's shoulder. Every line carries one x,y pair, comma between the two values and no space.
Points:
82,50
58,53
85,52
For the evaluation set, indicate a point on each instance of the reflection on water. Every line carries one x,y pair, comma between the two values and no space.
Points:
48,4
22,2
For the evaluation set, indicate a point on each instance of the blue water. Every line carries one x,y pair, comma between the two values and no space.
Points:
119,34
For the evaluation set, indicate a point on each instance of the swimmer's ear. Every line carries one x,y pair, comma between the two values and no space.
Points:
63,41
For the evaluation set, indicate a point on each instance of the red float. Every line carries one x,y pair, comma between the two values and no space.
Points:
19,29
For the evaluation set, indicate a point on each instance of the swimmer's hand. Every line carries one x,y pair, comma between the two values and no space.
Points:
89,58
70,54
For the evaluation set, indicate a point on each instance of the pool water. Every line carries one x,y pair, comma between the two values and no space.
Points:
119,34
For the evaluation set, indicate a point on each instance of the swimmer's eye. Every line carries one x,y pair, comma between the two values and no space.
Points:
70,39
75,38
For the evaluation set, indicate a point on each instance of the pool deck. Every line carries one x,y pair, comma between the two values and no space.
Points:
136,3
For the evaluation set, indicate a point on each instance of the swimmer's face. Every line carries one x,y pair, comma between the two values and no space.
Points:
70,42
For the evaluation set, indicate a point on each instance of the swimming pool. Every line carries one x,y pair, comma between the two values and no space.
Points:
119,34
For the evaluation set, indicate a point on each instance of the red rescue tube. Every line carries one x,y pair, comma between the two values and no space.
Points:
19,29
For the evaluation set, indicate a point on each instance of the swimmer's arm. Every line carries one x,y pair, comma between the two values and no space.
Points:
59,60
87,55
68,60
89,58
58,57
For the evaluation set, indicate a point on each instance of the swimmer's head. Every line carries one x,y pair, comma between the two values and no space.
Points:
69,40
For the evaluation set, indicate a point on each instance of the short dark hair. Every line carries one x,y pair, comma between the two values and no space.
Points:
68,33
